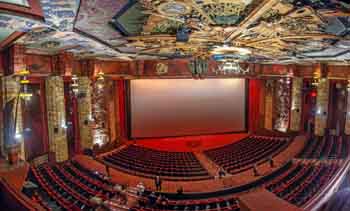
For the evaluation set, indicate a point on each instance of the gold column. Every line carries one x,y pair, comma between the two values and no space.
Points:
56,117
322,101
84,112
296,104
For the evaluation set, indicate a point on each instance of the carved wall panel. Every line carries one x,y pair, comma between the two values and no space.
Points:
84,110
56,117
296,104
282,104
322,101
99,112
269,87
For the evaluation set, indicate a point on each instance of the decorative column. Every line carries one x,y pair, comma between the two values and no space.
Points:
56,117
84,112
13,141
322,101
282,104
295,118
347,120
269,87
99,112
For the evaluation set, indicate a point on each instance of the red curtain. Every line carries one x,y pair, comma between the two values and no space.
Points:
121,86
254,99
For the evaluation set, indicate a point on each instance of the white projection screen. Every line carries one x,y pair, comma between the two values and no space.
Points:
179,107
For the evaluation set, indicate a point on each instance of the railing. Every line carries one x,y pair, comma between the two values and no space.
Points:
324,195
16,200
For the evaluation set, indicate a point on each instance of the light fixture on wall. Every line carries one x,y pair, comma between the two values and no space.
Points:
75,85
199,66
24,93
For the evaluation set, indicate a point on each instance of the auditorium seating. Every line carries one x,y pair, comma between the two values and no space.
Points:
148,163
302,181
327,147
68,186
212,204
242,155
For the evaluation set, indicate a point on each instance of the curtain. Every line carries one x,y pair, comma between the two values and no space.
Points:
121,85
253,108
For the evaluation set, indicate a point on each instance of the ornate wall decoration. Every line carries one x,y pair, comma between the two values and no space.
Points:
85,112
162,69
99,111
296,108
282,104
269,87
322,101
56,117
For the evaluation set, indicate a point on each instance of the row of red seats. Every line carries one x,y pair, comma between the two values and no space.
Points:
147,162
210,204
70,186
302,181
54,193
327,147
241,156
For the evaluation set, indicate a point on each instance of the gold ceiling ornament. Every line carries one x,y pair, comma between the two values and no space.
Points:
162,68
174,8
231,66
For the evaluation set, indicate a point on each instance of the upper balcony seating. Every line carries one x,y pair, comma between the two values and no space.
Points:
302,181
68,186
327,147
148,163
242,155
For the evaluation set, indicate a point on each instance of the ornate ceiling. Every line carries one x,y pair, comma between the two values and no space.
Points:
264,31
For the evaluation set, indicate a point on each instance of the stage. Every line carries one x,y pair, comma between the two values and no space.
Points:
190,143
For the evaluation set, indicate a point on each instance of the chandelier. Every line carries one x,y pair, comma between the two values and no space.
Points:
230,67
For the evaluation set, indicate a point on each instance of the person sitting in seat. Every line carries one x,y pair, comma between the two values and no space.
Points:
221,173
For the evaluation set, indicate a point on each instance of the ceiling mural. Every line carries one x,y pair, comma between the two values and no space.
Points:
60,14
261,31
94,18
250,30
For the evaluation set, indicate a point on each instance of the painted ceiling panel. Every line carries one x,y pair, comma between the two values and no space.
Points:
288,31
4,33
60,14
94,17
18,2
17,23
